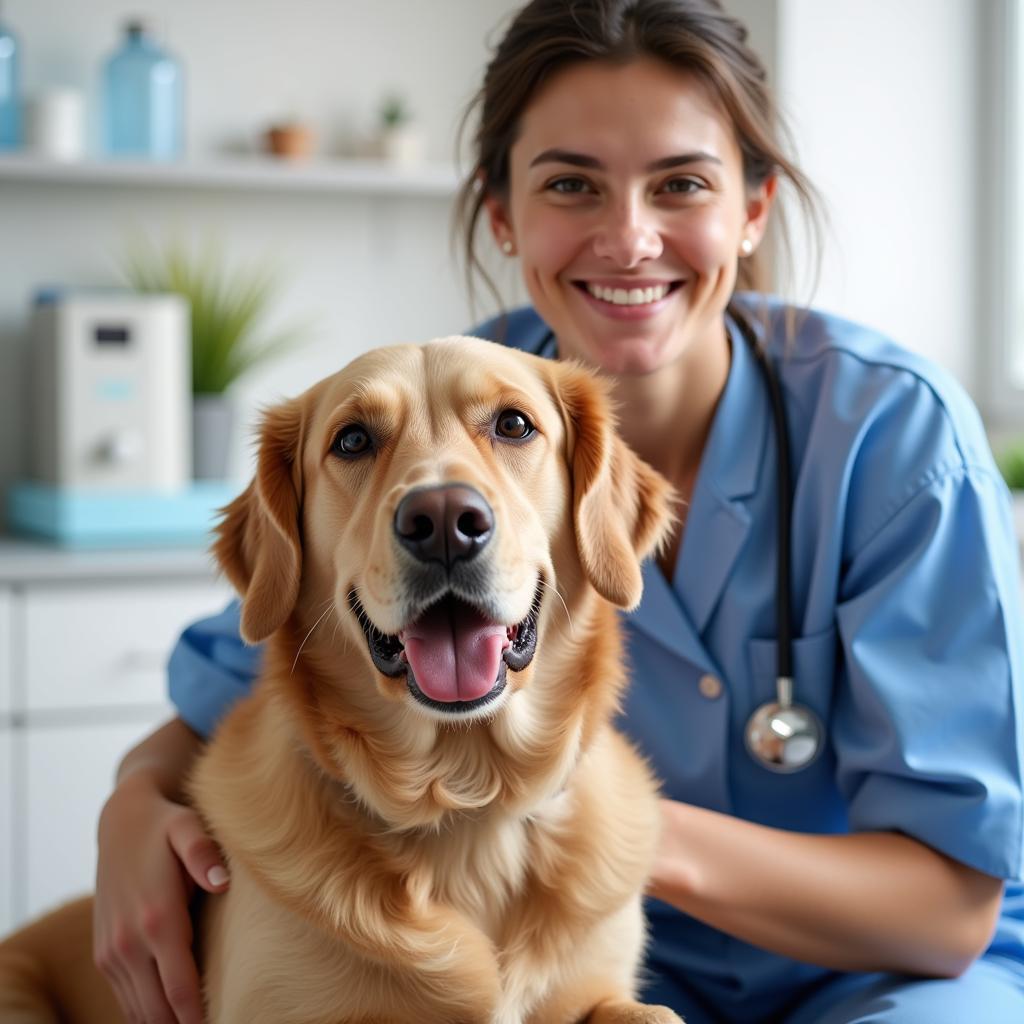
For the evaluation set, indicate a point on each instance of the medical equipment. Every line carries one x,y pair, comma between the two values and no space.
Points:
781,735
111,391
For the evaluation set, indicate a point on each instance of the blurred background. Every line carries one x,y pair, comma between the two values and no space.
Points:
293,176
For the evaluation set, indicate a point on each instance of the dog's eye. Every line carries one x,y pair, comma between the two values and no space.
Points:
513,424
352,440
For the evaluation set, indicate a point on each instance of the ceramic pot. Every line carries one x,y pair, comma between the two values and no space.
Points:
291,141
402,144
212,423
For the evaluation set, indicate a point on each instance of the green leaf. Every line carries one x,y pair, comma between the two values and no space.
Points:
229,306
1011,464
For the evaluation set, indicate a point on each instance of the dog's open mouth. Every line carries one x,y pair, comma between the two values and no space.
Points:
453,656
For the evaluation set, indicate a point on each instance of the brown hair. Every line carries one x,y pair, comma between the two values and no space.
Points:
696,36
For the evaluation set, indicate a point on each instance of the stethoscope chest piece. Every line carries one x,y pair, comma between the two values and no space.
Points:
782,736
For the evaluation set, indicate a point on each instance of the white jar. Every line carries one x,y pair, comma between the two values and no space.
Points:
56,124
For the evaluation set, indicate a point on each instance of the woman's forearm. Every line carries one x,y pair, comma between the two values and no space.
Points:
862,902
163,759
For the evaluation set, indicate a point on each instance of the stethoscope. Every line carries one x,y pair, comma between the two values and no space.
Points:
781,735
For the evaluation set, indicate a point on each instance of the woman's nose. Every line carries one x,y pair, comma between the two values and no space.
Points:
628,234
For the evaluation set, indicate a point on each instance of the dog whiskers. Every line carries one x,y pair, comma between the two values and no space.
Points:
568,617
330,604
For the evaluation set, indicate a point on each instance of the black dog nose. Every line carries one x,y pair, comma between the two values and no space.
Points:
444,524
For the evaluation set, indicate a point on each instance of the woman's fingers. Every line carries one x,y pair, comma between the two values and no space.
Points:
169,980
179,981
121,983
150,996
152,854
197,852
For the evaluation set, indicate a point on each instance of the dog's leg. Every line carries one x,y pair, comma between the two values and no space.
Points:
23,995
47,975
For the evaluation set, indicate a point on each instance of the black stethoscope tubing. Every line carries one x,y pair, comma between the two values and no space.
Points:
784,492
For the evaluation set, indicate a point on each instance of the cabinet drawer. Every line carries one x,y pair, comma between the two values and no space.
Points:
6,653
100,645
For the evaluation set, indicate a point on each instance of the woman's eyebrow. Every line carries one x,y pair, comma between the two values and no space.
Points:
565,156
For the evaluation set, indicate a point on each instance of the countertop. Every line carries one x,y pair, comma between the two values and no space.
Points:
23,561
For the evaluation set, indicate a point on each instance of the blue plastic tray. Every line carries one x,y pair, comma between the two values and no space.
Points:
82,518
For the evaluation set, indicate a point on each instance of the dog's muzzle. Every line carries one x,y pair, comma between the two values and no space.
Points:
453,652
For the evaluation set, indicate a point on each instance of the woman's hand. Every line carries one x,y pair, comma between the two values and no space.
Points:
153,852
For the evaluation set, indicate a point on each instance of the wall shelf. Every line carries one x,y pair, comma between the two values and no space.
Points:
364,177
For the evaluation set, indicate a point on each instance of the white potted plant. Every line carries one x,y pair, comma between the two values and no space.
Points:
229,307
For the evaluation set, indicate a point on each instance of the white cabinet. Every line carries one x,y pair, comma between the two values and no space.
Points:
6,830
84,642
66,773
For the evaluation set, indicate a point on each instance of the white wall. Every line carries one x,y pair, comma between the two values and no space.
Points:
885,103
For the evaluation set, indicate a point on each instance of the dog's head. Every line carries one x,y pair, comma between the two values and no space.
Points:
427,512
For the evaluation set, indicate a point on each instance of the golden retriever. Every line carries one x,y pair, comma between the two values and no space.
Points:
427,813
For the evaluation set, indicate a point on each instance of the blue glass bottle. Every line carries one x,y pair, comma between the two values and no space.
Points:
142,99
10,90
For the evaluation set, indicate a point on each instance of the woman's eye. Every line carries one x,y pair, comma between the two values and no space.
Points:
568,186
352,440
682,186
514,425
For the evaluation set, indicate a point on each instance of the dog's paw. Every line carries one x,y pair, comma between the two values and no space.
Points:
633,1013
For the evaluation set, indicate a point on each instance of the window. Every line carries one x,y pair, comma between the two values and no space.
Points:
1003,255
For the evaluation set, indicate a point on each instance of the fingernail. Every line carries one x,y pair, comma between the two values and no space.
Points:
217,876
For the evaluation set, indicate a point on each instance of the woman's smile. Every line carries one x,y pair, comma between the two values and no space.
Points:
625,299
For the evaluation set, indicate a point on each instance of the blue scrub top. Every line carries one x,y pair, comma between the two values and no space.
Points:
907,617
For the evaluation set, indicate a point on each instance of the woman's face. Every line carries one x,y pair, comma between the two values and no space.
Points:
627,209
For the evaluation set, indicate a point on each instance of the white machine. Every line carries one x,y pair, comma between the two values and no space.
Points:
111,391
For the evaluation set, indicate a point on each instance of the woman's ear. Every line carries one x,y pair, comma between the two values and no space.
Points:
501,226
258,540
622,508
759,205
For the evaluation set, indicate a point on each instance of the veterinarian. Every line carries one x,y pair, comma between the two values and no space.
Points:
628,158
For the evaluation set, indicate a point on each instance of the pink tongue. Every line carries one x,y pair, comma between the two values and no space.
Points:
454,652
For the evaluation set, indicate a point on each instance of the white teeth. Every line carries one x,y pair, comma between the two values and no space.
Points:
632,297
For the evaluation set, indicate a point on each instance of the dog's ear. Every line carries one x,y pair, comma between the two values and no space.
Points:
622,508
257,541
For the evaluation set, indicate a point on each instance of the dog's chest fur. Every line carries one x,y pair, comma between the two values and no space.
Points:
478,866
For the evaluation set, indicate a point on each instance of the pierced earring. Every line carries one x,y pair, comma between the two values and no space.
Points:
507,247
746,247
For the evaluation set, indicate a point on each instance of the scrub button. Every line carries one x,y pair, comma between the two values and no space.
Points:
710,687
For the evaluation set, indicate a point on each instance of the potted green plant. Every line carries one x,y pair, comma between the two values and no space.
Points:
399,140
229,307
